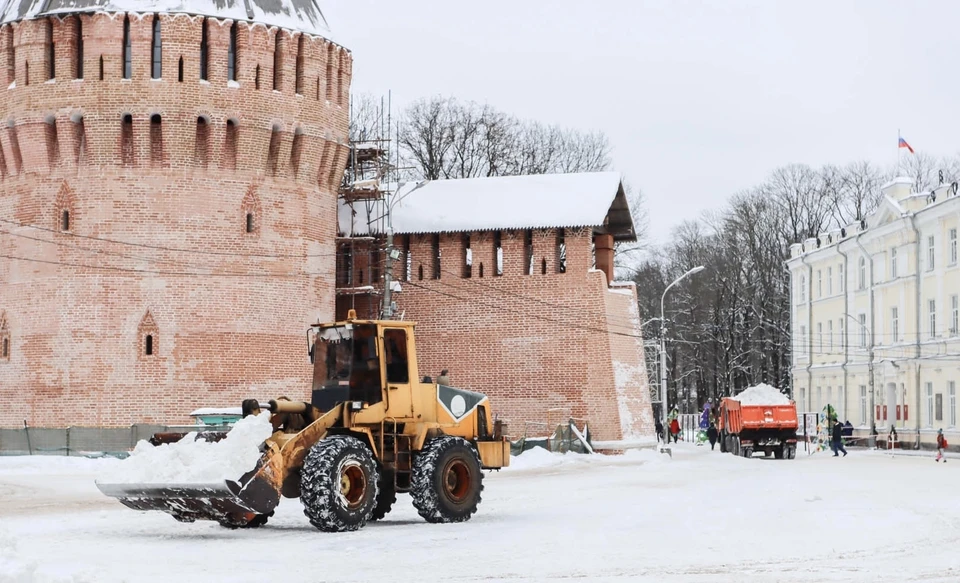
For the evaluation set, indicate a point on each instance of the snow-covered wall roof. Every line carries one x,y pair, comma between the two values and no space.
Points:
588,199
302,15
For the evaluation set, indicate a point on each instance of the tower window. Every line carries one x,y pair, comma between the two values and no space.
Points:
498,253
78,48
65,220
230,146
528,252
296,151
204,50
330,72
256,78
156,139
299,77
79,139
561,251
467,257
249,222
127,49
435,254
232,54
201,149
180,70
53,146
148,345
273,154
101,67
126,140
277,64
5,353
51,52
156,52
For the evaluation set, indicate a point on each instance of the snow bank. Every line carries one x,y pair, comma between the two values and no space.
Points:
762,394
539,458
195,462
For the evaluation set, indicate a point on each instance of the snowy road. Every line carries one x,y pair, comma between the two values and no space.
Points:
701,517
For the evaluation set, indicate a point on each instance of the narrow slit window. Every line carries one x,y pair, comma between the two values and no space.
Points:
126,140
65,220
299,73
15,147
277,64
318,88
230,146
467,257
435,255
101,67
156,139
156,52
11,59
340,80
498,253
296,151
6,348
127,49
528,252
78,44
232,54
273,154
53,146
180,70
374,267
201,150
204,50
26,73
256,78
330,72
481,270
79,140
561,251
249,225
408,259
148,345
543,266
420,273
51,52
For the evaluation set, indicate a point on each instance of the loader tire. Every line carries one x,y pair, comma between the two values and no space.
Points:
255,521
447,480
338,484
386,496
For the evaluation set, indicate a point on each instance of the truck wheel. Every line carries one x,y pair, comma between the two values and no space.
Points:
723,444
748,452
338,484
780,452
386,496
791,452
736,445
446,481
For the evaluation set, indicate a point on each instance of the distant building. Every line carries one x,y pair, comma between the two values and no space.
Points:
510,280
887,288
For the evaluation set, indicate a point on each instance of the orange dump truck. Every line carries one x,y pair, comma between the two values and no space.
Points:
746,429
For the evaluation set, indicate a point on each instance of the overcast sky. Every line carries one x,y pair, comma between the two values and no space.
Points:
699,99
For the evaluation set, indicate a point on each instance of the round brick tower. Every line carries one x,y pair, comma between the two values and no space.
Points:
167,205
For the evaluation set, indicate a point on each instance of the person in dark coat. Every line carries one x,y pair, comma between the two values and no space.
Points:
837,442
712,435
659,428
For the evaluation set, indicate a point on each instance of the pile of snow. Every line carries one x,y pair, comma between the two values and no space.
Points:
762,394
195,462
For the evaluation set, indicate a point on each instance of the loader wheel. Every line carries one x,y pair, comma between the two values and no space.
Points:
447,480
386,496
251,520
338,484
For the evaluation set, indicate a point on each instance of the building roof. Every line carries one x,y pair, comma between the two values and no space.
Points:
588,199
302,15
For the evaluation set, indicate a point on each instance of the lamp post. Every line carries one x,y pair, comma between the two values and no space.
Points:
872,439
663,350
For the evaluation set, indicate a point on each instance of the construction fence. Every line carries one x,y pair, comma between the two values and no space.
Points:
82,441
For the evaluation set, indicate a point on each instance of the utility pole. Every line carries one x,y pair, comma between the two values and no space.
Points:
663,350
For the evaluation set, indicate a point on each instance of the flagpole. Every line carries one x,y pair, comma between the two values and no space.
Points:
898,153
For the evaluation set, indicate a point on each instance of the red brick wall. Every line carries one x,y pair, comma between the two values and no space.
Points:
533,343
227,309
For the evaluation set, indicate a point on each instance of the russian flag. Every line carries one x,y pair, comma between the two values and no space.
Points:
904,144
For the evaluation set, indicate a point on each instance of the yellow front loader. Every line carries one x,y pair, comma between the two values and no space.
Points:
371,430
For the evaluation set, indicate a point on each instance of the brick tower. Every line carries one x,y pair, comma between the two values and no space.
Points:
168,204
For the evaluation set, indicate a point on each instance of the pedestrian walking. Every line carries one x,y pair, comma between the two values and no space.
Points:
837,441
675,430
941,445
712,435
659,428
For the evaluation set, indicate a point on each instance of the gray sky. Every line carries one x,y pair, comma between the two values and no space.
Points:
699,99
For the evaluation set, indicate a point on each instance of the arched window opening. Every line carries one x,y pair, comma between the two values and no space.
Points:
156,139
127,49
230,146
249,222
561,251
296,151
273,154
6,348
65,220
201,150
330,72
543,266
126,140
79,140
481,270
148,345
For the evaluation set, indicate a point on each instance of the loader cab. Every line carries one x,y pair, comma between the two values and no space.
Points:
346,364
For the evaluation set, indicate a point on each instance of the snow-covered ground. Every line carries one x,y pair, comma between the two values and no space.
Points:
700,517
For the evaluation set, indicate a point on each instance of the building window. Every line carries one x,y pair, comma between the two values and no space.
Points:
561,251
230,146
329,92
256,78
931,252
65,220
296,151
954,315
829,281
79,140
157,50
126,140
932,312
895,324
819,283
51,52
498,253
180,70
893,263
408,259
803,289
819,405
298,79
5,352
204,51
201,145
820,337
232,54
863,405
952,394
929,404
101,67
863,330
78,44
803,398
467,257
148,345
842,274
277,64
127,49
156,139
249,225
938,407
528,251
863,273
843,338
53,144
803,340
273,153
953,246
435,255
830,336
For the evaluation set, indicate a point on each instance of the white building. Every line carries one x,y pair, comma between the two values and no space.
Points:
875,317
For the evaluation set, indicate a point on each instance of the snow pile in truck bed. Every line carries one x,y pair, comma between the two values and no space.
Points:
195,462
762,394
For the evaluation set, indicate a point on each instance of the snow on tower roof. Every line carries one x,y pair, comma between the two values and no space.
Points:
540,201
302,15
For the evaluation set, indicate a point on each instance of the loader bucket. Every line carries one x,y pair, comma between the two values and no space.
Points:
232,503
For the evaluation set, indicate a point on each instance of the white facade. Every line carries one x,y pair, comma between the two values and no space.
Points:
882,297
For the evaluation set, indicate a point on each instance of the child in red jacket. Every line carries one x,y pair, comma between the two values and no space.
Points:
941,445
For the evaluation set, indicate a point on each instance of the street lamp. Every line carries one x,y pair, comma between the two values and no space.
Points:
872,439
663,349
